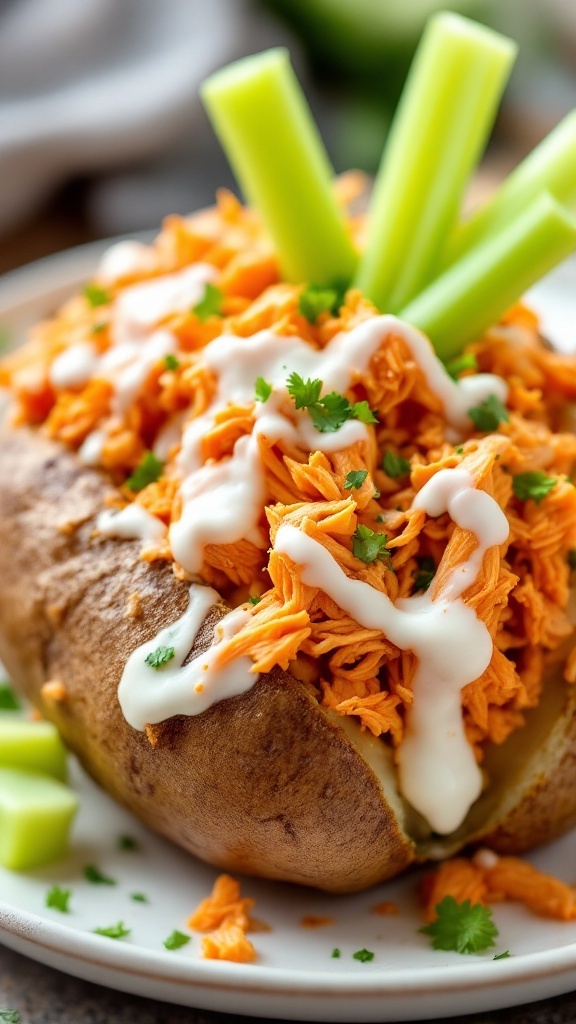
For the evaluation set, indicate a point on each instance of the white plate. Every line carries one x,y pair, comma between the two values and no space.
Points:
295,976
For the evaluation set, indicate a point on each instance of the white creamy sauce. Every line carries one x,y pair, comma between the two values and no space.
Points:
142,306
148,695
90,451
75,366
438,773
222,504
123,259
130,523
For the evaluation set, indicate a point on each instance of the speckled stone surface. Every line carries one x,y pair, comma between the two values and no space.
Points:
44,996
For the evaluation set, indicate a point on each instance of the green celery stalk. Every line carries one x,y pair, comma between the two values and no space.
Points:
264,124
550,167
470,296
438,134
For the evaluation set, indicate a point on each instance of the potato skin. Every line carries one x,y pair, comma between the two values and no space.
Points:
263,783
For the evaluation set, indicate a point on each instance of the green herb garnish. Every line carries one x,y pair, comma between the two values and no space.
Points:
533,485
489,414
147,472
502,956
368,546
127,843
335,954
139,897
262,389
316,300
9,1016
330,412
354,479
424,574
461,927
161,656
210,304
58,899
177,940
114,931
254,599
170,362
467,361
395,466
94,875
8,699
96,296
363,955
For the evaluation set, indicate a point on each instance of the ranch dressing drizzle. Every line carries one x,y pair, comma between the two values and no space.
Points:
74,366
223,503
123,259
148,695
131,523
438,773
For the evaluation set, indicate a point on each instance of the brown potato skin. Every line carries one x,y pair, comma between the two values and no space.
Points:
263,783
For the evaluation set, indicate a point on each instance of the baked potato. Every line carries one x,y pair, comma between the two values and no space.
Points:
288,780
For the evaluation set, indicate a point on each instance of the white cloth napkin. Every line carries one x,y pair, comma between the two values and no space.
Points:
90,85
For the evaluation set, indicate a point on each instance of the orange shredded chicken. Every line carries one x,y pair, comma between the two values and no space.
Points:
502,878
224,915
522,590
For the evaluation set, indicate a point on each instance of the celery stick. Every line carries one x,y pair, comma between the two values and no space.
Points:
550,167
35,817
33,745
265,126
473,293
438,134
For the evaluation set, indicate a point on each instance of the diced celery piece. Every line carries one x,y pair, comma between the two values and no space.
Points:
265,126
471,295
35,746
440,129
36,813
550,167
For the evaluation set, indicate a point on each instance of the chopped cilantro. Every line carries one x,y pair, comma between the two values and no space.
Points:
176,940
354,479
8,699
316,299
362,411
254,599
114,931
489,414
263,389
304,392
363,955
127,843
502,956
368,546
161,656
335,954
459,450
58,898
96,296
170,362
533,485
462,363
424,574
139,897
461,927
98,328
330,412
210,304
9,1016
571,558
94,875
147,472
395,466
